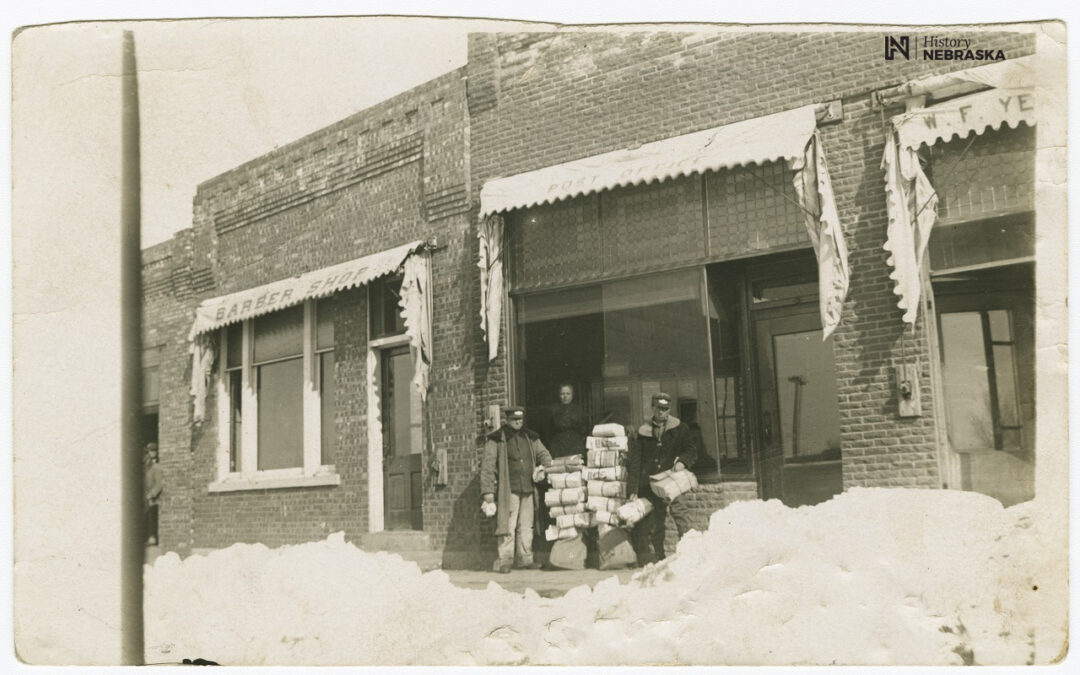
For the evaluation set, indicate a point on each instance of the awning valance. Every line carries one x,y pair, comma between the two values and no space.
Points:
754,141
960,116
226,309
910,197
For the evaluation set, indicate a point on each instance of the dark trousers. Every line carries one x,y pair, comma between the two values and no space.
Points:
151,521
649,533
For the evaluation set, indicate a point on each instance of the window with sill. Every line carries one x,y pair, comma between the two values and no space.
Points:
278,388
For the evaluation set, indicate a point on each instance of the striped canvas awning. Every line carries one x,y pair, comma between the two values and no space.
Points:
762,139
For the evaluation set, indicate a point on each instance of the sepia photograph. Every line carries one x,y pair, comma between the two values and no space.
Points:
417,341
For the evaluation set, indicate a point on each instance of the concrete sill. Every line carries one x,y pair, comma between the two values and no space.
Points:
272,483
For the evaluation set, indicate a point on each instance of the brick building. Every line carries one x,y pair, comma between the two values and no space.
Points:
653,195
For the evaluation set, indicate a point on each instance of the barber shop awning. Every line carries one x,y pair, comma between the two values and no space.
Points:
762,139
226,309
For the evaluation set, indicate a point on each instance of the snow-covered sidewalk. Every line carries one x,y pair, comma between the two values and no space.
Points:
872,576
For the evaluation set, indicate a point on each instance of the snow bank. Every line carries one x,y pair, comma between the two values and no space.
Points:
871,577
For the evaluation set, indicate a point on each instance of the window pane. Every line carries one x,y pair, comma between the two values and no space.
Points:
150,385
999,326
771,290
733,448
326,404
279,335
236,419
982,241
234,339
324,327
806,386
385,312
1005,377
967,386
281,444
618,343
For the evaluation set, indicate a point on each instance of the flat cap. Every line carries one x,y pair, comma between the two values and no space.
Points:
514,412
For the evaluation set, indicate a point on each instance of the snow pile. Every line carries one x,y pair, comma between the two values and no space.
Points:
871,577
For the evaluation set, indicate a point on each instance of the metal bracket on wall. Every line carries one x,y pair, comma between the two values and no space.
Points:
830,113
909,403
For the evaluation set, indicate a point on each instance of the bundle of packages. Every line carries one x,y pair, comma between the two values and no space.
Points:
632,512
607,458
556,533
562,510
604,473
568,464
668,485
607,488
600,503
564,497
607,443
610,430
605,518
560,481
574,520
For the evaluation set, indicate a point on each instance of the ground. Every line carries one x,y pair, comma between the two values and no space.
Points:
872,576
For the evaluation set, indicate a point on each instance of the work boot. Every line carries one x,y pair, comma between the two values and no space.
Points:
503,568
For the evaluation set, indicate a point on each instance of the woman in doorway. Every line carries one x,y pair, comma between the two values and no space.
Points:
568,425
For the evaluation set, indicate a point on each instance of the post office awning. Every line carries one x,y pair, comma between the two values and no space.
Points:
226,309
754,141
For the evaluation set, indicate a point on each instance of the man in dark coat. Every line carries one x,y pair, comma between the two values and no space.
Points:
661,443
507,469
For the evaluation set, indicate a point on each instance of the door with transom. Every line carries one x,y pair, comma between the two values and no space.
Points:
797,407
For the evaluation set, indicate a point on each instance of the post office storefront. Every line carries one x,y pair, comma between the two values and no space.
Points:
690,266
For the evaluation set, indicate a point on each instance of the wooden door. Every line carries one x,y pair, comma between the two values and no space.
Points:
402,436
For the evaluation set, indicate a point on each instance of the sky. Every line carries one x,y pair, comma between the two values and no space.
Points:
215,94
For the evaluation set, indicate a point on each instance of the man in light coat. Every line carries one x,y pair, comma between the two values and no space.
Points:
508,469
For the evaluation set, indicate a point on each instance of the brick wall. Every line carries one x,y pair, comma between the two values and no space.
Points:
167,291
391,174
538,99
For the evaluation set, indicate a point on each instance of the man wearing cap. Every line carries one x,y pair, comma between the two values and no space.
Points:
661,443
507,471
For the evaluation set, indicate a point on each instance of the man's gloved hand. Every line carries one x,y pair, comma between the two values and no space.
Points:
489,498
539,474
679,466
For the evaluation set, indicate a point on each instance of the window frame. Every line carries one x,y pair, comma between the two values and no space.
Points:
313,471
1011,289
